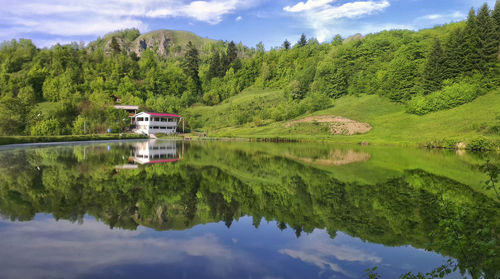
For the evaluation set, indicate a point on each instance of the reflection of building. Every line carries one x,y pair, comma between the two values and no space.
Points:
151,152
155,123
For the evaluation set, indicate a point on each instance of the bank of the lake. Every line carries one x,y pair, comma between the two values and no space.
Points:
66,138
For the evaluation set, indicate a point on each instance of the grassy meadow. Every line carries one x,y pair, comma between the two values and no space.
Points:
390,121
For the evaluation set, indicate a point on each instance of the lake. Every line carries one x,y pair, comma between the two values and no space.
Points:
245,210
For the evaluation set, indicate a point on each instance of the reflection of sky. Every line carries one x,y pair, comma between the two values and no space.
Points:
61,249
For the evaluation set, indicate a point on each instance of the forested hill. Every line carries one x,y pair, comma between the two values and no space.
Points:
54,91
165,43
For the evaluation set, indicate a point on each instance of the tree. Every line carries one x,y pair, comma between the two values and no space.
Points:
115,47
488,38
337,40
286,44
214,67
12,116
191,67
260,47
231,54
434,68
302,41
496,18
454,53
472,43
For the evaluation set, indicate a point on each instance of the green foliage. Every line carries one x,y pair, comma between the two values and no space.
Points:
11,115
302,41
480,144
49,127
452,95
434,68
191,67
492,171
286,45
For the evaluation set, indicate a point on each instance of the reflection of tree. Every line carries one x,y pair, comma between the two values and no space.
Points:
492,171
211,185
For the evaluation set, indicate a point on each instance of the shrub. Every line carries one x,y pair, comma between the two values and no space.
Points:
452,95
480,143
49,127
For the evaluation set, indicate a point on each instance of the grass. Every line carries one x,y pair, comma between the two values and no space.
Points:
37,139
391,124
211,116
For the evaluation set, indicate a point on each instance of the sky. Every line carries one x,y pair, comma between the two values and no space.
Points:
47,22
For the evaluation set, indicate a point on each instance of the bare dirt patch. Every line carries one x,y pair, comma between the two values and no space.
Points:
338,125
335,158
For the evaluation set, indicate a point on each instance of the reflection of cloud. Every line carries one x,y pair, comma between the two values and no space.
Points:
317,248
311,258
31,249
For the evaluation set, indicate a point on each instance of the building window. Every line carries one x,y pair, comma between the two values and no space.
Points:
140,119
146,119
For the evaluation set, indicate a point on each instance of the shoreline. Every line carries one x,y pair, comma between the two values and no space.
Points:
30,141
50,140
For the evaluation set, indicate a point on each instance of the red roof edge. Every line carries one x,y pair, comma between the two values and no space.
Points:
163,161
162,114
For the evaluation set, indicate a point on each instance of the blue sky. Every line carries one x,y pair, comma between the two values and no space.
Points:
47,22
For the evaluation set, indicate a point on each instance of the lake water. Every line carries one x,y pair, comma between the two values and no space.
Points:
172,209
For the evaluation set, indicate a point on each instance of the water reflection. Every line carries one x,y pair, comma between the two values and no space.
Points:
306,216
154,152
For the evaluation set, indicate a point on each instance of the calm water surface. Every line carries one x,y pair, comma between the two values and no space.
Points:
171,209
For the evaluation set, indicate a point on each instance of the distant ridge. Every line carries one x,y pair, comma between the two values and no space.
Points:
166,43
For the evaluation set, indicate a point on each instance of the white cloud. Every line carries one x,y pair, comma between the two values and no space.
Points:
95,17
324,17
309,5
440,18
239,18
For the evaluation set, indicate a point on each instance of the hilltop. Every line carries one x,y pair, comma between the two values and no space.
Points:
165,43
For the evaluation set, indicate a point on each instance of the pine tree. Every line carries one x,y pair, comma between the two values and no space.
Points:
231,56
472,44
496,16
454,53
488,38
191,66
286,44
302,41
496,19
434,68
214,67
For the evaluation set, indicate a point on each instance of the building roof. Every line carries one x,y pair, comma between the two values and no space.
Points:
160,114
162,161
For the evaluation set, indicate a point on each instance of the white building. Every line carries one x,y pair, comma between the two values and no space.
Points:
155,123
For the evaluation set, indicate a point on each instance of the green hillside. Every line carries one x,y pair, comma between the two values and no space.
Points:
389,120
